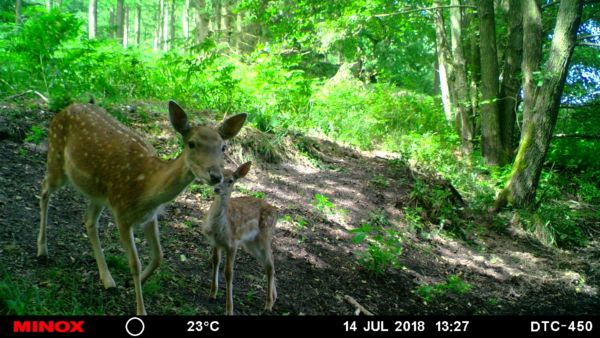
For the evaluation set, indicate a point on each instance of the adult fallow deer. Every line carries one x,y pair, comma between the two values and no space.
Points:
116,168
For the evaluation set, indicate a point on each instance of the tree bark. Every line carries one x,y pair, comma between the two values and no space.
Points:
444,70
491,141
111,23
185,21
92,18
540,118
137,28
172,24
120,20
462,104
126,27
157,42
165,26
18,12
201,22
48,5
511,85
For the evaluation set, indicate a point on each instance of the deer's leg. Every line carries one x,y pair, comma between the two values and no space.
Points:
91,225
156,253
126,233
52,181
269,265
216,261
229,261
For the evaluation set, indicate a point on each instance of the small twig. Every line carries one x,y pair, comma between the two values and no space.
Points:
589,44
28,92
359,307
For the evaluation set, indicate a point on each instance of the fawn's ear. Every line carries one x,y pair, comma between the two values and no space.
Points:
231,127
242,171
178,118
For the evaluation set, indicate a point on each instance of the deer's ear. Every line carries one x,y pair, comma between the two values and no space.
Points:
242,171
231,127
178,118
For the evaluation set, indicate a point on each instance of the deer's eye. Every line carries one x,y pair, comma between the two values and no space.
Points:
224,148
191,145
230,181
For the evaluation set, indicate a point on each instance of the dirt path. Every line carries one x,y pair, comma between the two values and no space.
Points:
316,261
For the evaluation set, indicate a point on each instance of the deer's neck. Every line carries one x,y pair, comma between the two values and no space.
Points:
218,209
169,180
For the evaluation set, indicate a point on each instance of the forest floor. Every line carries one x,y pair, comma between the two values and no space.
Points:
316,260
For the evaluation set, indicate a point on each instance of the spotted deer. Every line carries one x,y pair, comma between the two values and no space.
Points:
246,221
116,168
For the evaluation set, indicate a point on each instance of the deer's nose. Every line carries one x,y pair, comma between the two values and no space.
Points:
214,179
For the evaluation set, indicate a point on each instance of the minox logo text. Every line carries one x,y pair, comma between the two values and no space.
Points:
59,326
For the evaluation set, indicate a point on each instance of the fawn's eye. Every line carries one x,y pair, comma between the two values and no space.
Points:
224,148
230,181
191,144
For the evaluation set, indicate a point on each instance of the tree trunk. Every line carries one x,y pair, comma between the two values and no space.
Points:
185,21
216,20
111,23
165,18
462,103
172,24
156,42
226,20
120,20
510,87
491,141
540,117
443,55
48,5
201,22
18,12
138,25
126,27
473,63
92,18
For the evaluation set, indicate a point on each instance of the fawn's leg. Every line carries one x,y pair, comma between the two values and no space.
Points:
269,265
128,242
229,261
156,253
91,225
216,261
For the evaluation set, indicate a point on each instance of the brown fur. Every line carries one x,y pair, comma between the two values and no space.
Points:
246,221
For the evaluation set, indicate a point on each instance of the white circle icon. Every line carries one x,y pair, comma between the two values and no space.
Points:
131,333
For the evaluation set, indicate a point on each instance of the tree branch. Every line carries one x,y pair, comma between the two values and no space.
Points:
423,9
581,136
588,36
550,4
589,44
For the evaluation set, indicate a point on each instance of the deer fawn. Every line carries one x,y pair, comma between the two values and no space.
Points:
247,221
116,168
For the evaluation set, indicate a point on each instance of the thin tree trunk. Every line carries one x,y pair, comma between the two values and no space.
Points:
201,22
111,23
443,55
473,64
92,18
126,27
510,87
491,141
172,24
138,24
120,20
48,5
165,19
185,21
226,20
18,12
540,118
156,42
462,104
216,20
